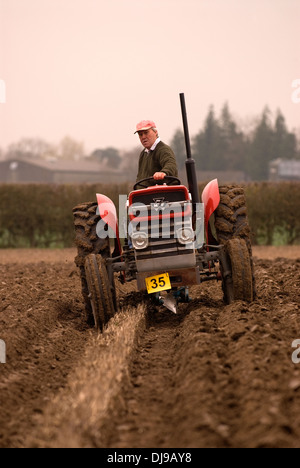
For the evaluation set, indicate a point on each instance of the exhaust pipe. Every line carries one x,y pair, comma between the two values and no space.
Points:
190,164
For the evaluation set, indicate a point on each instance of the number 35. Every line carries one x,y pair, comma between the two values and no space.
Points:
161,283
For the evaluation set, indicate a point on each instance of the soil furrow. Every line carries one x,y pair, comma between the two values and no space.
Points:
149,395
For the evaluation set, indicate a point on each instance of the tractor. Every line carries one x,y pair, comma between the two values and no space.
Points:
172,241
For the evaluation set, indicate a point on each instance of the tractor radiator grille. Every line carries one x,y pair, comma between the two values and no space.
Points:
164,249
164,244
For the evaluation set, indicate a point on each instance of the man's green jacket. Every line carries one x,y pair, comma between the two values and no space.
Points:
161,159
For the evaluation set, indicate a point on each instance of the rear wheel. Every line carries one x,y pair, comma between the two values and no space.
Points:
231,220
86,218
238,285
100,296
231,215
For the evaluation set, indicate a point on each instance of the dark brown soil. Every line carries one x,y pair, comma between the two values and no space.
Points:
212,376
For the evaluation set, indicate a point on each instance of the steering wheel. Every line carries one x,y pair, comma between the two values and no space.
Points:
141,183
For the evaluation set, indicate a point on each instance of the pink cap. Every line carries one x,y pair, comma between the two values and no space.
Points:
145,125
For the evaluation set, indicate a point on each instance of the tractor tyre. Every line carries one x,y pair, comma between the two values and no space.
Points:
231,215
86,218
99,290
239,284
231,220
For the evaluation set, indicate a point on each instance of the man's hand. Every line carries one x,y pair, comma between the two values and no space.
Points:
159,175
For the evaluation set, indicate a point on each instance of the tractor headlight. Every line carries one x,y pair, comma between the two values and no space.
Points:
185,235
139,240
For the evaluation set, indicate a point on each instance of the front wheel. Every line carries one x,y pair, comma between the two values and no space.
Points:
100,294
238,281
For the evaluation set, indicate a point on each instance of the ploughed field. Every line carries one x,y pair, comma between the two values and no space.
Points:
211,376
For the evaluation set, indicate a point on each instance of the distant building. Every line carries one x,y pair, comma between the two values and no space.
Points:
284,169
85,171
58,172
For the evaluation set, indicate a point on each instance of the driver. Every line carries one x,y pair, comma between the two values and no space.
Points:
157,159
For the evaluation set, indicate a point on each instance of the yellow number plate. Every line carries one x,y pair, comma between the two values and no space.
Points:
158,283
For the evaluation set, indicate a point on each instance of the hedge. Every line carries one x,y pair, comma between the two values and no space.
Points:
40,215
274,212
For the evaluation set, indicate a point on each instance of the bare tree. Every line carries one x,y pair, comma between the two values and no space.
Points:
30,148
130,160
70,149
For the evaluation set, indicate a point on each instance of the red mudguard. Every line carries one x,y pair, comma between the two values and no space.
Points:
108,213
211,200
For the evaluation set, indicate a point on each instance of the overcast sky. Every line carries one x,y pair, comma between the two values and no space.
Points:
92,69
